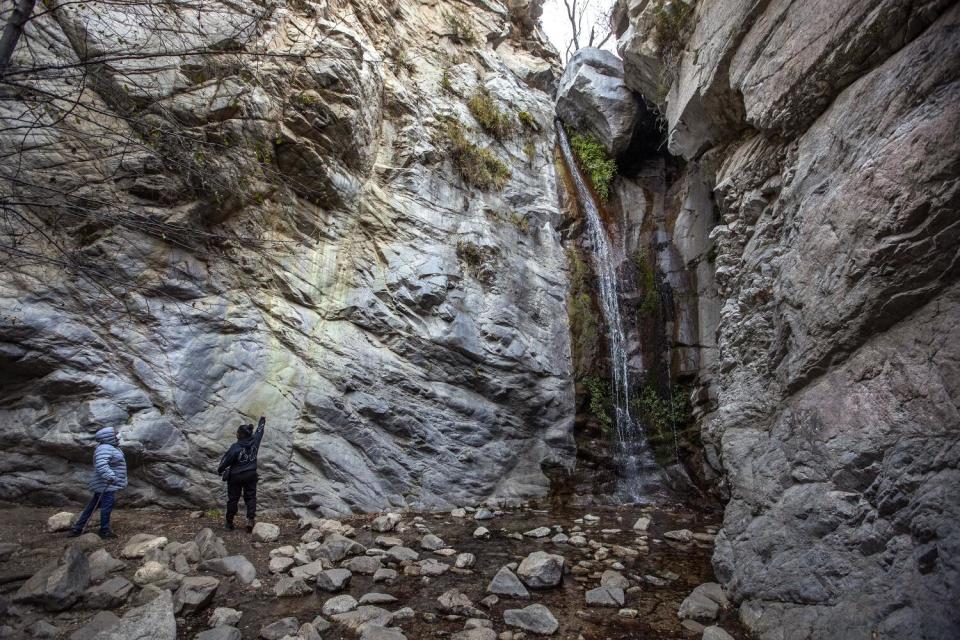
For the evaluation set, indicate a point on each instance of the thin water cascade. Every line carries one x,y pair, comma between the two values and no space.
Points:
639,474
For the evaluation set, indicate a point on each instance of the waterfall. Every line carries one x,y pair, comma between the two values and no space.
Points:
638,472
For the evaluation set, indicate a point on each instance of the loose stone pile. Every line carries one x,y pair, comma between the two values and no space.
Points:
161,584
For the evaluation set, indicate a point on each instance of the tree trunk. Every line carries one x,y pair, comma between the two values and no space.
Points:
11,33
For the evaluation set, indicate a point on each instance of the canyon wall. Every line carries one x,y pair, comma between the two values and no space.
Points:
827,134
259,208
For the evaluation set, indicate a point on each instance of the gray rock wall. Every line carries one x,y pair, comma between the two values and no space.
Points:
828,132
285,235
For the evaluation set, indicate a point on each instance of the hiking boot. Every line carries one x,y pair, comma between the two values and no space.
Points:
108,535
250,524
228,525
74,534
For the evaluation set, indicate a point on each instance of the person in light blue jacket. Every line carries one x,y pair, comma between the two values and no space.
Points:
109,476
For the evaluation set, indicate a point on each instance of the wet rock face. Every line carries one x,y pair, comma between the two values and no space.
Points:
824,130
314,265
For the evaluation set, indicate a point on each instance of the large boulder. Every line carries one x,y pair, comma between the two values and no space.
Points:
536,619
57,585
593,98
153,621
236,565
195,593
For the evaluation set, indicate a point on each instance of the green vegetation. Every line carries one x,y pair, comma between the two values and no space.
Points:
599,400
667,420
400,59
528,121
584,324
594,161
530,150
213,514
484,108
460,29
647,278
445,84
478,167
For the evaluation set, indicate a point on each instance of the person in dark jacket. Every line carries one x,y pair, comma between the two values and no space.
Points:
238,467
109,476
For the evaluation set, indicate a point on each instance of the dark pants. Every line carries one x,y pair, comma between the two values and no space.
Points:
245,483
104,501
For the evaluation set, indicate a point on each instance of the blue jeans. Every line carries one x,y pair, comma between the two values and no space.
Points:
105,502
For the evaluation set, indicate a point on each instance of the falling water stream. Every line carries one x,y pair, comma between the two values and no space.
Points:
638,472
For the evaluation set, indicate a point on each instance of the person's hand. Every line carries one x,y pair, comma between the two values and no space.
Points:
262,422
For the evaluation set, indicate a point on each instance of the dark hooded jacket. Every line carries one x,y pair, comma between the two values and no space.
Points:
241,457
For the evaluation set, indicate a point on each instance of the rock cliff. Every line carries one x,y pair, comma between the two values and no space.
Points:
267,208
825,133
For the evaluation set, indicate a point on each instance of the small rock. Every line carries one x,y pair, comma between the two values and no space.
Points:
641,524
280,564
224,617
388,541
219,633
483,514
458,603
377,632
387,522
541,570
698,607
377,598
481,533
194,594
535,618
364,565
339,604
363,616
716,633
458,513
109,595
286,551
265,532
385,575
628,613
236,565
465,561
308,572
539,532
86,542
336,547
60,521
605,596
333,580
614,579
491,601
560,538
680,535
102,563
431,567
156,616
210,546
279,629
506,583
43,629
289,587
402,554
140,544
7,549
431,542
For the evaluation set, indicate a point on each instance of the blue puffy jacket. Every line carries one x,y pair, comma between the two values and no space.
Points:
109,465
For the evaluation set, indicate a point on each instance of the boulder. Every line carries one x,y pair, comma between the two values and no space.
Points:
536,619
101,622
236,565
402,554
209,545
593,98
280,564
152,621
194,594
140,544
108,595
336,547
265,532
60,521
102,563
308,572
506,583
57,585
364,565
541,570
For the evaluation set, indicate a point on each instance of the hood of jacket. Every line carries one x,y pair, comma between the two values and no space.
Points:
106,435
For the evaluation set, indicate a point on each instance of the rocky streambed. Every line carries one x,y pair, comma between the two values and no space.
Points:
470,574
